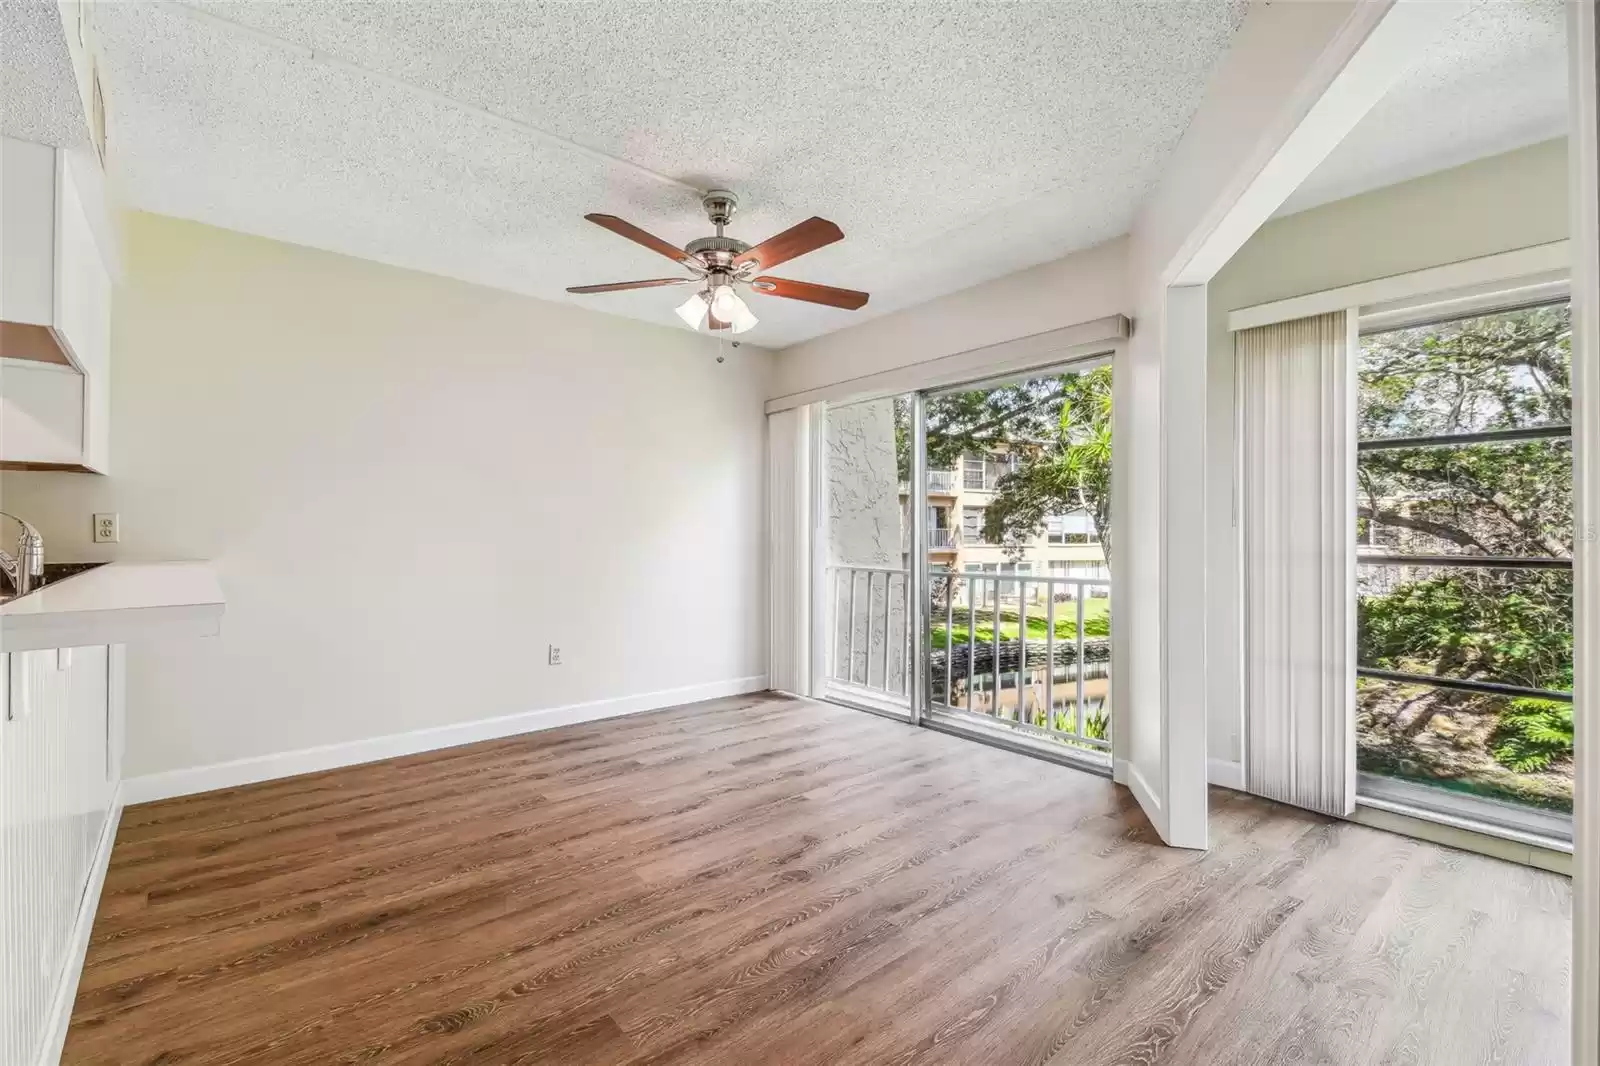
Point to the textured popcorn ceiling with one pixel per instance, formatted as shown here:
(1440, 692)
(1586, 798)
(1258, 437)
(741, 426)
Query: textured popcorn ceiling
(38, 95)
(1496, 81)
(953, 141)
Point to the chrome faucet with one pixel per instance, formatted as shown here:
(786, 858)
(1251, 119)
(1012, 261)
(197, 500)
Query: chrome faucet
(27, 566)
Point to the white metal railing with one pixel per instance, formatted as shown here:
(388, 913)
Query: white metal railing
(937, 538)
(956, 670)
(940, 482)
(869, 630)
(1061, 684)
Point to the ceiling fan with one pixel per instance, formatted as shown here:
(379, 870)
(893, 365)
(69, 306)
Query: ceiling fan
(722, 264)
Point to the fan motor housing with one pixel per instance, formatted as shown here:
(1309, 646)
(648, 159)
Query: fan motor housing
(716, 252)
(720, 204)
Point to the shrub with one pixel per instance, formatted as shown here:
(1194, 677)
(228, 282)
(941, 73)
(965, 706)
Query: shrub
(1532, 734)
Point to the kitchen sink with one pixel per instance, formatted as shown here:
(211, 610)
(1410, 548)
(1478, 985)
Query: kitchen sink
(54, 573)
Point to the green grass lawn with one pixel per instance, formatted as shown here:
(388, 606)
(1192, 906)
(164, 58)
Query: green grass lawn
(1096, 623)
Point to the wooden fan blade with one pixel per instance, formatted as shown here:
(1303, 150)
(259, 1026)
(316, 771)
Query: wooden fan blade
(849, 299)
(618, 286)
(649, 240)
(795, 241)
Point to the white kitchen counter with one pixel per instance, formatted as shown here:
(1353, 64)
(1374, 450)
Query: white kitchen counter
(119, 603)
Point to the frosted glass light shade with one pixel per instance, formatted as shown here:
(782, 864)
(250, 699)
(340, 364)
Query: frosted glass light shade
(693, 311)
(725, 303)
(743, 318)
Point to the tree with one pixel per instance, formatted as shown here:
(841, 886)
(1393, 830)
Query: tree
(1058, 428)
(1501, 371)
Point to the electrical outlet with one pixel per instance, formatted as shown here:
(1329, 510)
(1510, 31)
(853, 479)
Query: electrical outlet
(555, 655)
(106, 529)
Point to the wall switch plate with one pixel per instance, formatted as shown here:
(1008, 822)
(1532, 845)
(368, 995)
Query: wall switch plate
(106, 529)
(555, 655)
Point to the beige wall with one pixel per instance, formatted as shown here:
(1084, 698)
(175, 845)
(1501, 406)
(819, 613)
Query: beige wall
(411, 486)
(1493, 205)
(1078, 288)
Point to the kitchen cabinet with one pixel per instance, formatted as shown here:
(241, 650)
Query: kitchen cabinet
(58, 777)
(55, 311)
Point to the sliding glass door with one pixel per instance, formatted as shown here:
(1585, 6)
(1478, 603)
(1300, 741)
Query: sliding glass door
(989, 507)
(1016, 617)
(864, 543)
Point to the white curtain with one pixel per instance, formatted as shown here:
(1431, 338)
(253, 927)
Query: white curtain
(789, 547)
(1297, 535)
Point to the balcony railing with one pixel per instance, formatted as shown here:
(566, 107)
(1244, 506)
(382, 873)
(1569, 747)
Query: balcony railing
(1052, 685)
(1060, 683)
(940, 483)
(938, 539)
(869, 647)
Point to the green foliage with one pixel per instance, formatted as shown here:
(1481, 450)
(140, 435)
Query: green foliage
(1499, 625)
(1059, 430)
(1532, 734)
(1057, 427)
(1097, 724)
(1069, 467)
(1499, 371)
(1490, 372)
(1492, 499)
(1096, 623)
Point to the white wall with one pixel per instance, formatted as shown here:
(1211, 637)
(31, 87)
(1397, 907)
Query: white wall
(411, 486)
(1080, 287)
(1493, 205)
(1269, 76)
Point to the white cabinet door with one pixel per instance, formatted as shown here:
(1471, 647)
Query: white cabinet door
(41, 413)
(83, 304)
(27, 232)
(54, 799)
(54, 276)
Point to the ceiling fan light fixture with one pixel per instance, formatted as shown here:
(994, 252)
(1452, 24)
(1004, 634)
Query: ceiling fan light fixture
(743, 318)
(725, 303)
(720, 263)
(693, 311)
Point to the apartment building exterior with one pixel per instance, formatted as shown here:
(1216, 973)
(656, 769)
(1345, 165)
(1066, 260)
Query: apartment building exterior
(1069, 545)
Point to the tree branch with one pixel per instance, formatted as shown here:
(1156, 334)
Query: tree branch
(1455, 536)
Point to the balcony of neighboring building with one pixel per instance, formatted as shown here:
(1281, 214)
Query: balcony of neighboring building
(943, 542)
(941, 483)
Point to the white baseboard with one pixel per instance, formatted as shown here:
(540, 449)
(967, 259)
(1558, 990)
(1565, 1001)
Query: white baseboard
(1226, 774)
(1148, 799)
(185, 782)
(67, 986)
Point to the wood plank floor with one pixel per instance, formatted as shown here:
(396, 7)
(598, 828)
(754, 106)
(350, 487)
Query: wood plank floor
(765, 881)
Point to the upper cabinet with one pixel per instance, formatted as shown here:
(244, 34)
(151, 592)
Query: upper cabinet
(55, 312)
